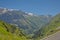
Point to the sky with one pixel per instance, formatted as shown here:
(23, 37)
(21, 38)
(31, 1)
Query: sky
(40, 7)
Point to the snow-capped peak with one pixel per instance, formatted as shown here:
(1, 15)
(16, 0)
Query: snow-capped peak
(31, 14)
(13, 9)
(10, 9)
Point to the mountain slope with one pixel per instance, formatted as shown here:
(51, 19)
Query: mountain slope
(51, 28)
(25, 21)
(10, 32)
(53, 25)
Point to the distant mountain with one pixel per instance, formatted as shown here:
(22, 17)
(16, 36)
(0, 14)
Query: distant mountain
(28, 22)
(10, 32)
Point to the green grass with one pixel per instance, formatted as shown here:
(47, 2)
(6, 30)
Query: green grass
(5, 35)
(51, 28)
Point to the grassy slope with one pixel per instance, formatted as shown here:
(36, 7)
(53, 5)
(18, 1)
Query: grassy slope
(8, 35)
(53, 27)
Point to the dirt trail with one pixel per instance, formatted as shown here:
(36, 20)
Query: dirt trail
(55, 36)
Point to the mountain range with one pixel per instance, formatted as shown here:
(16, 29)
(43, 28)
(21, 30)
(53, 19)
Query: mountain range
(28, 25)
(26, 21)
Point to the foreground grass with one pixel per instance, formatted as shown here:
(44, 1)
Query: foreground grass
(5, 35)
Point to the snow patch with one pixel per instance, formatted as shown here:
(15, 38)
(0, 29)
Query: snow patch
(5, 10)
(13, 9)
(31, 14)
(10, 9)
